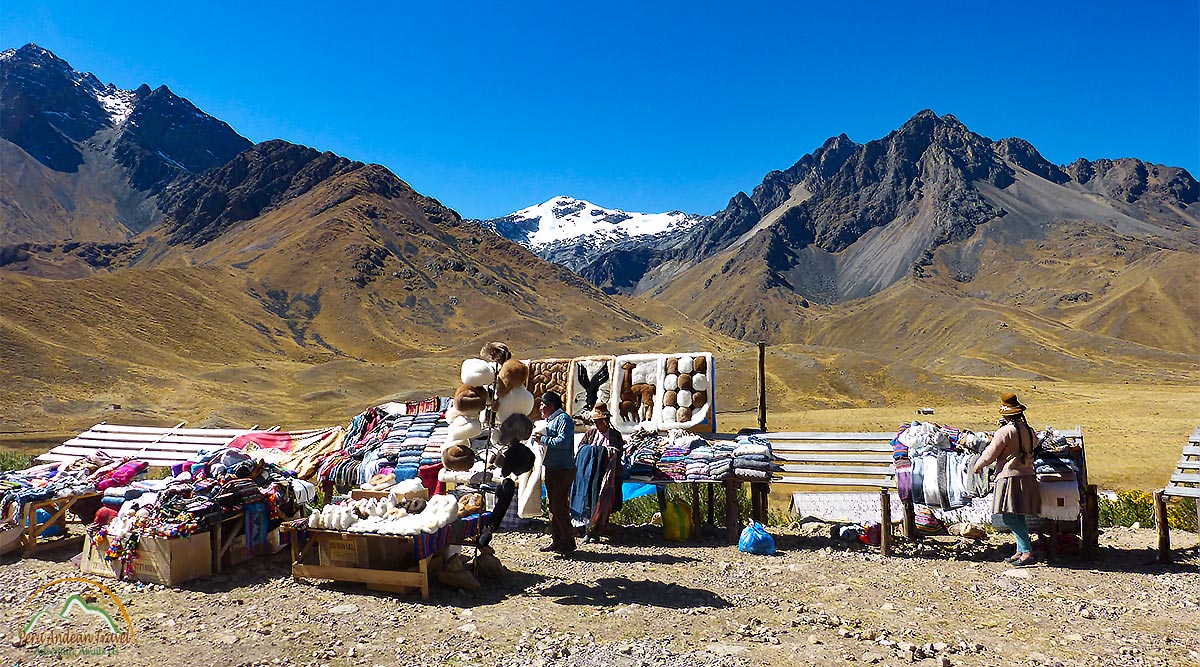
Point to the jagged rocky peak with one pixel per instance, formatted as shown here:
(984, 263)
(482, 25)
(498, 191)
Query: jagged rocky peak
(49, 109)
(254, 181)
(1130, 179)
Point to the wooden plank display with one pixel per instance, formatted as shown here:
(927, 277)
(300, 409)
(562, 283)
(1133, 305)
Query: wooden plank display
(1184, 483)
(156, 446)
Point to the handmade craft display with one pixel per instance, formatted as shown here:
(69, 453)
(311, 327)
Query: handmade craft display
(591, 383)
(547, 375)
(685, 393)
(634, 392)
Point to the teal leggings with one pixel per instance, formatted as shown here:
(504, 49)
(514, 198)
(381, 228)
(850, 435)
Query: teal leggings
(1016, 523)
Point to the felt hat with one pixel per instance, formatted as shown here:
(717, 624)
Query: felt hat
(458, 457)
(600, 412)
(469, 400)
(1009, 405)
(512, 374)
(495, 352)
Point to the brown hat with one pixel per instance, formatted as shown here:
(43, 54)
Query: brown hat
(1009, 405)
(458, 457)
(600, 412)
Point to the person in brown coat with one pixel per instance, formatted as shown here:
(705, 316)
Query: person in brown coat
(1017, 494)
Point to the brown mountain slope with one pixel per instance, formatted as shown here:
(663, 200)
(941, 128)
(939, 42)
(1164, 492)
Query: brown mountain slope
(362, 265)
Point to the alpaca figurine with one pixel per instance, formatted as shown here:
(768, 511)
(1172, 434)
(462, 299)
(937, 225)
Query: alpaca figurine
(633, 394)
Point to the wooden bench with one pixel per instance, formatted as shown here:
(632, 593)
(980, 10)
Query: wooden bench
(155, 445)
(841, 460)
(1184, 483)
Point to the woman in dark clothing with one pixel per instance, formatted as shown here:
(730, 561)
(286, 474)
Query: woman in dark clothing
(604, 487)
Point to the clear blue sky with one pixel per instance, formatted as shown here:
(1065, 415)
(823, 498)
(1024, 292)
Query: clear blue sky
(646, 106)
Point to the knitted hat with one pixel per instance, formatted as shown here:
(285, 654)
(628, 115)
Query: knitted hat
(600, 412)
(1009, 405)
(458, 457)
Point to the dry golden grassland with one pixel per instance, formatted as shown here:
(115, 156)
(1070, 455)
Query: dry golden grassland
(1134, 434)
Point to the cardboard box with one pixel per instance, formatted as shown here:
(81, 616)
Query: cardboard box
(93, 563)
(343, 551)
(170, 562)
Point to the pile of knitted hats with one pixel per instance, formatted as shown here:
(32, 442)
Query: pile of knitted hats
(493, 382)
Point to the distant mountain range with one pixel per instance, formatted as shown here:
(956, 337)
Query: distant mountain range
(573, 232)
(145, 244)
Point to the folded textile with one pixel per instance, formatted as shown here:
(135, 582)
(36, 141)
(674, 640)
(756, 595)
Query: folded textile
(741, 463)
(751, 474)
(748, 448)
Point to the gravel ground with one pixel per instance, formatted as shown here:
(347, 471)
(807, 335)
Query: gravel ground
(641, 602)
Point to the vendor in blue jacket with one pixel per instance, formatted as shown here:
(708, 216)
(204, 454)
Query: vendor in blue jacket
(559, 440)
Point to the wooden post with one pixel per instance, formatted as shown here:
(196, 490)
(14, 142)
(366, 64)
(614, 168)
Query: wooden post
(885, 530)
(910, 520)
(762, 386)
(711, 509)
(1164, 530)
(695, 510)
(733, 527)
(1090, 547)
(662, 500)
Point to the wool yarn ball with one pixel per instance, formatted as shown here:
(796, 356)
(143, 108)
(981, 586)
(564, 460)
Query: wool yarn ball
(700, 364)
(685, 364)
(685, 381)
(669, 398)
(699, 382)
(668, 414)
(477, 372)
(671, 382)
(684, 397)
(672, 366)
(684, 415)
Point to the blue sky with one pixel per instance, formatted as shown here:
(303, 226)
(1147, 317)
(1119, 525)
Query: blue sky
(646, 106)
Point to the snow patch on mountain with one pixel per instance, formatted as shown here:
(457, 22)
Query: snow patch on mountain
(564, 219)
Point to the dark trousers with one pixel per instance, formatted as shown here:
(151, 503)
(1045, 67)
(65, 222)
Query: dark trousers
(558, 493)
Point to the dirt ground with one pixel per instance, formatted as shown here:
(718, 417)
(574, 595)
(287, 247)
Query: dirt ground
(640, 601)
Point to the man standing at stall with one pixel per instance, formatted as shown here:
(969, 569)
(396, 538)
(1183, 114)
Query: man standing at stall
(559, 440)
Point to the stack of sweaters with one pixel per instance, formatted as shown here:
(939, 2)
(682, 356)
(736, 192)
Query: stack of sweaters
(753, 459)
(721, 464)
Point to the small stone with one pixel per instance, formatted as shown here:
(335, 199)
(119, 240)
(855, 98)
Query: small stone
(1016, 574)
(1075, 637)
(228, 640)
(344, 609)
(1136, 525)
(888, 606)
(813, 639)
(946, 662)
(871, 658)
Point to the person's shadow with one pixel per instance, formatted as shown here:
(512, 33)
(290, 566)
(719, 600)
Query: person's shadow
(612, 591)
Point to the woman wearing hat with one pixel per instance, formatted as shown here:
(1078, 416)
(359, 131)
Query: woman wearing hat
(606, 478)
(1017, 494)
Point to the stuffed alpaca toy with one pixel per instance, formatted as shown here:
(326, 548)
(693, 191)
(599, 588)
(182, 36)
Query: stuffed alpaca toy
(496, 353)
(512, 374)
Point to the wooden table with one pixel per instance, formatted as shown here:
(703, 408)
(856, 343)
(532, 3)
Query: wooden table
(34, 542)
(391, 580)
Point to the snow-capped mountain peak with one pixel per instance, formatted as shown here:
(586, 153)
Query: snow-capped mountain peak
(566, 218)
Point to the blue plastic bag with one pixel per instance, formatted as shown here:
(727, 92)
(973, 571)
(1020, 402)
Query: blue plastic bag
(756, 540)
